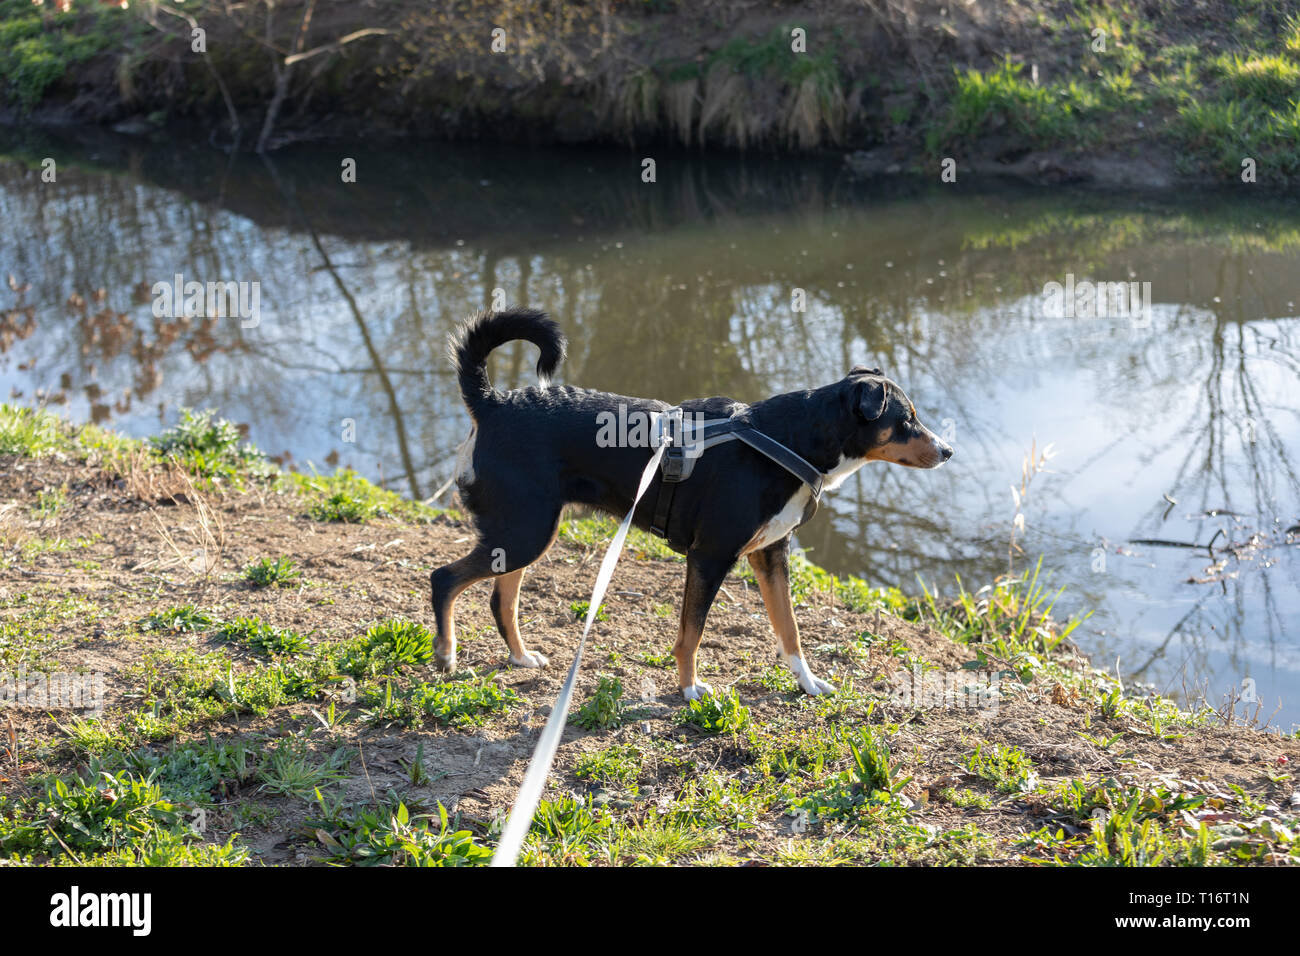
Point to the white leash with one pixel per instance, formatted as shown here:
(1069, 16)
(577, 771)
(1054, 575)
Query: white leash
(530, 791)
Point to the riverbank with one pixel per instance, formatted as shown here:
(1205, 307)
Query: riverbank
(242, 651)
(1102, 91)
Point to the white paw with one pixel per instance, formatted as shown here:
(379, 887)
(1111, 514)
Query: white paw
(696, 691)
(810, 684)
(816, 686)
(530, 659)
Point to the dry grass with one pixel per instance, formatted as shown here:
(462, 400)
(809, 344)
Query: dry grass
(144, 478)
(197, 544)
(1034, 463)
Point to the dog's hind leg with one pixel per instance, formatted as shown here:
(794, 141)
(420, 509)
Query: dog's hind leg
(505, 610)
(704, 576)
(522, 540)
(772, 571)
(447, 583)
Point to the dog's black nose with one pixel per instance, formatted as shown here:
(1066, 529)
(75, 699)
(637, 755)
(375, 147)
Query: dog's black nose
(947, 452)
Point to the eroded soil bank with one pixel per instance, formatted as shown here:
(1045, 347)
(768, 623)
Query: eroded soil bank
(1058, 90)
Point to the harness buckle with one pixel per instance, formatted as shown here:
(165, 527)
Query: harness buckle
(672, 432)
(673, 465)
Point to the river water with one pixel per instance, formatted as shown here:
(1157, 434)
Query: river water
(1175, 423)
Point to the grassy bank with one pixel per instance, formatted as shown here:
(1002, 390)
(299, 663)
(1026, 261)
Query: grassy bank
(1065, 89)
(261, 645)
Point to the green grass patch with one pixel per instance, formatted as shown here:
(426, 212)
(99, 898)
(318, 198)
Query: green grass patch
(656, 659)
(254, 633)
(777, 677)
(863, 792)
(39, 45)
(596, 531)
(290, 769)
(186, 619)
(605, 709)
(807, 581)
(37, 432)
(716, 713)
(265, 573)
(87, 815)
(579, 610)
(618, 765)
(1008, 768)
(387, 648)
(391, 835)
(347, 497)
(1270, 79)
(966, 799)
(566, 832)
(50, 503)
(458, 703)
(803, 754)
(1129, 826)
(180, 689)
(984, 101)
(24, 431)
(1012, 617)
(211, 448)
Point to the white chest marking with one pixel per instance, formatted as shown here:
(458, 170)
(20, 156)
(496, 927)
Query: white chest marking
(789, 517)
(837, 475)
(785, 521)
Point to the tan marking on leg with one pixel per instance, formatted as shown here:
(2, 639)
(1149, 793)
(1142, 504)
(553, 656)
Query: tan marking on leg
(774, 585)
(445, 650)
(465, 572)
(703, 578)
(684, 649)
(507, 593)
(505, 610)
(772, 571)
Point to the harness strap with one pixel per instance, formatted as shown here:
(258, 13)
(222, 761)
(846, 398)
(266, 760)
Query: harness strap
(673, 468)
(679, 461)
(792, 462)
(663, 506)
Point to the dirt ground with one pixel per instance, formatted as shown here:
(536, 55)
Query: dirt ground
(121, 560)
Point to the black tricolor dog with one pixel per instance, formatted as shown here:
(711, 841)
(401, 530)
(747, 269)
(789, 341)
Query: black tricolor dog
(533, 450)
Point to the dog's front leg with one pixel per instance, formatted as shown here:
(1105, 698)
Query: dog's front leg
(704, 576)
(772, 571)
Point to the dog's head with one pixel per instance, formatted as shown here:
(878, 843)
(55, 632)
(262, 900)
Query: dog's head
(882, 423)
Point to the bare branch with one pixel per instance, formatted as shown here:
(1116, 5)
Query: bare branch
(330, 47)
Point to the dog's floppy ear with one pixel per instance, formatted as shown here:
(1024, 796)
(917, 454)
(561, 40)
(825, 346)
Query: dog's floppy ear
(863, 370)
(869, 399)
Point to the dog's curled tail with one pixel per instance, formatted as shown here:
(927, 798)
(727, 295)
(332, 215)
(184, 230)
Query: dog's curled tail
(472, 341)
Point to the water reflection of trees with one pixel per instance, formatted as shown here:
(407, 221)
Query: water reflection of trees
(1237, 475)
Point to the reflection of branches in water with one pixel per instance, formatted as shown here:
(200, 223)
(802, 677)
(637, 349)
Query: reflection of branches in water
(1232, 404)
(1196, 648)
(887, 544)
(385, 383)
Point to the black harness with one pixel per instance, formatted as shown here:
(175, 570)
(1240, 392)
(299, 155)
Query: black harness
(679, 460)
